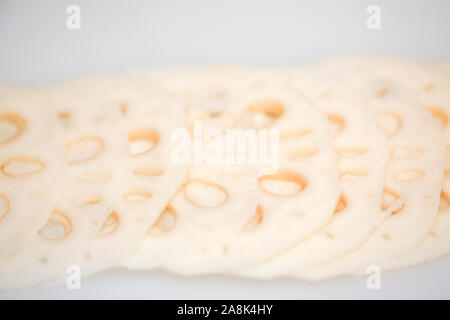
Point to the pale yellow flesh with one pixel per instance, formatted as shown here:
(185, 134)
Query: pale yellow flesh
(416, 178)
(33, 167)
(199, 247)
(363, 152)
(98, 162)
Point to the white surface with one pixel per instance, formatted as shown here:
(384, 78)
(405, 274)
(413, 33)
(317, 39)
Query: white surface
(37, 47)
(426, 282)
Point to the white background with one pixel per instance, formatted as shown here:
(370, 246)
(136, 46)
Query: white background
(37, 47)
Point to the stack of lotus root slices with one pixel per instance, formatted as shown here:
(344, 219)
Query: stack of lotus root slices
(306, 172)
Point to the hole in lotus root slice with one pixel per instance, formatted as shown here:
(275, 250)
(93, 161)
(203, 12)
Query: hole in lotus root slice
(94, 176)
(123, 108)
(87, 199)
(111, 224)
(447, 174)
(382, 92)
(205, 194)
(386, 237)
(341, 204)
(337, 123)
(266, 112)
(255, 220)
(389, 198)
(22, 166)
(221, 93)
(137, 195)
(165, 222)
(150, 172)
(64, 116)
(409, 175)
(326, 94)
(352, 173)
(84, 149)
(283, 183)
(440, 116)
(58, 226)
(11, 126)
(406, 152)
(303, 153)
(444, 202)
(433, 234)
(4, 206)
(142, 141)
(216, 120)
(429, 87)
(389, 121)
(350, 151)
(294, 133)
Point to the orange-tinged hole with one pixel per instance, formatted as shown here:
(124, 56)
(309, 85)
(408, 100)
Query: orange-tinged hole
(326, 94)
(137, 195)
(215, 120)
(382, 92)
(64, 116)
(205, 194)
(84, 149)
(87, 199)
(58, 226)
(267, 112)
(409, 175)
(406, 152)
(111, 224)
(337, 123)
(123, 108)
(142, 141)
(303, 153)
(151, 172)
(440, 116)
(389, 121)
(447, 174)
(350, 151)
(283, 183)
(221, 93)
(165, 222)
(11, 126)
(429, 87)
(294, 133)
(444, 203)
(22, 166)
(4, 206)
(255, 220)
(341, 204)
(352, 173)
(388, 199)
(271, 108)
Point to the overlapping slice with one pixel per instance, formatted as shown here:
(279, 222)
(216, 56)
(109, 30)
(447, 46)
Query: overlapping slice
(215, 199)
(98, 157)
(414, 172)
(33, 166)
(363, 153)
(213, 203)
(265, 214)
(434, 94)
(151, 116)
